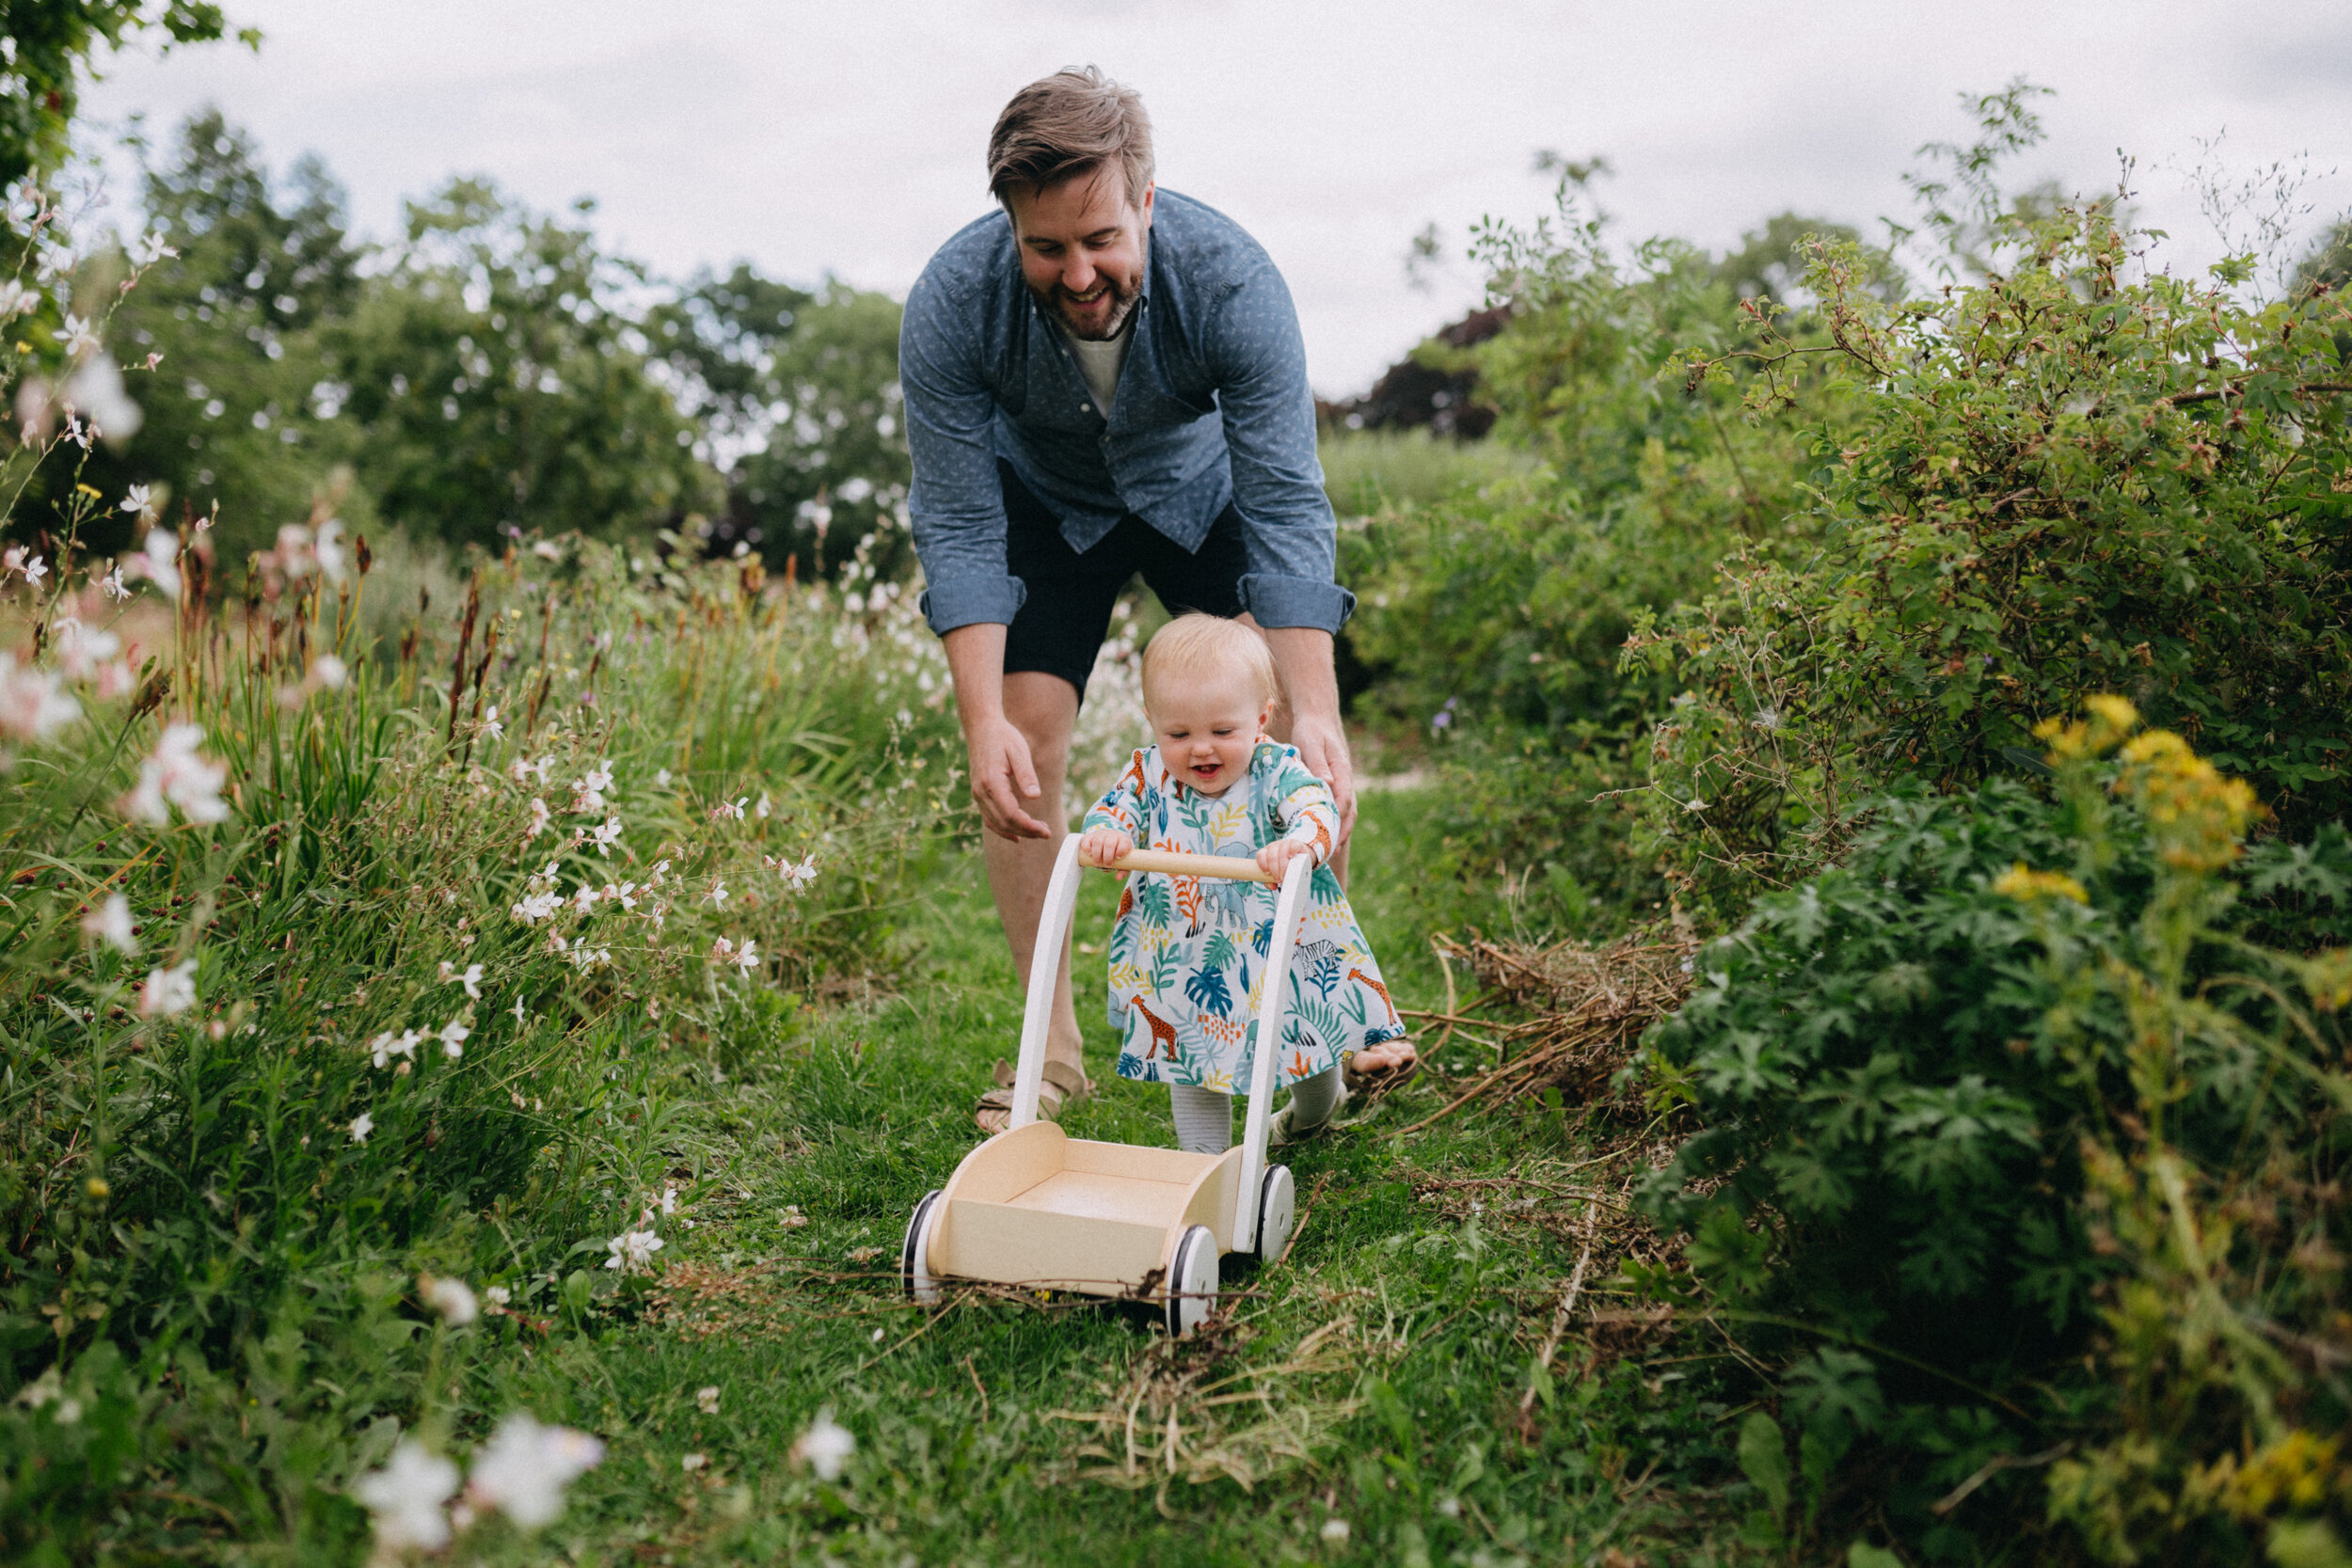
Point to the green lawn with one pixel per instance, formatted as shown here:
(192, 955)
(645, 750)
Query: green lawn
(1374, 1381)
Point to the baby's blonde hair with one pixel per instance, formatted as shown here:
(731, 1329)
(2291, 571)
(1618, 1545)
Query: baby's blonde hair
(1195, 646)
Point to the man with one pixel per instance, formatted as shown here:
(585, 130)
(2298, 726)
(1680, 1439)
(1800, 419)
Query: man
(1104, 379)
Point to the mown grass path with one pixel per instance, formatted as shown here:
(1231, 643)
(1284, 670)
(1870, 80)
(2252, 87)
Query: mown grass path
(1369, 1391)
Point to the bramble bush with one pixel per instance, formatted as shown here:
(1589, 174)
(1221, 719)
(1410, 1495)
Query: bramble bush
(2013, 1145)
(2075, 473)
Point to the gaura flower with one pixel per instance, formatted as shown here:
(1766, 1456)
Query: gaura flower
(448, 1297)
(524, 1467)
(169, 991)
(110, 922)
(632, 1250)
(177, 775)
(406, 1498)
(361, 1125)
(453, 1036)
(825, 1447)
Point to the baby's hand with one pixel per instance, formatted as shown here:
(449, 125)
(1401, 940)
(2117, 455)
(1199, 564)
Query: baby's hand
(1275, 856)
(1102, 846)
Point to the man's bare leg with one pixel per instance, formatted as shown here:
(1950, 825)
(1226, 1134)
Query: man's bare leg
(1045, 708)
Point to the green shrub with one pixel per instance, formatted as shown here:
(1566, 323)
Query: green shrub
(2076, 474)
(1937, 1085)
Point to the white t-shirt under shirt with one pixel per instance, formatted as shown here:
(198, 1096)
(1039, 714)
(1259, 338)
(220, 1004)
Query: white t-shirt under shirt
(1099, 362)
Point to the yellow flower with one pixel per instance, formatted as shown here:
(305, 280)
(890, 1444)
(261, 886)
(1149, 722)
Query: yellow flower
(2112, 719)
(2025, 885)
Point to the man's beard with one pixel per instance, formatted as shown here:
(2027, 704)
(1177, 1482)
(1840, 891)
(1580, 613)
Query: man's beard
(1056, 300)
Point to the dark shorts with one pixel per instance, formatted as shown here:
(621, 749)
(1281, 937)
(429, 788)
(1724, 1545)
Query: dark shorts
(1059, 627)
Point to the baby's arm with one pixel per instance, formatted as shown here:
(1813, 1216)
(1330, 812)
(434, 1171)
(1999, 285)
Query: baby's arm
(1113, 822)
(1310, 817)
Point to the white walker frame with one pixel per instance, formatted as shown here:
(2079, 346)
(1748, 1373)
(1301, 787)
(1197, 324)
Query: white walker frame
(1033, 1207)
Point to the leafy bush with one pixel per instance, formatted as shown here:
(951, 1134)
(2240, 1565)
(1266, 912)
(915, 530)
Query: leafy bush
(1962, 1099)
(2076, 473)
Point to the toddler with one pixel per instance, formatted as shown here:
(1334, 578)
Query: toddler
(1187, 953)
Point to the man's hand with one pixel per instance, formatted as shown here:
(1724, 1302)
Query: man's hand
(1003, 773)
(1322, 747)
(1002, 778)
(1310, 689)
(1102, 846)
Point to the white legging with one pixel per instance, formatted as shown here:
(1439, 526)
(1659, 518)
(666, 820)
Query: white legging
(1205, 1118)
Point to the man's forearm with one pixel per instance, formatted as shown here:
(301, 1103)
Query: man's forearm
(976, 663)
(1310, 685)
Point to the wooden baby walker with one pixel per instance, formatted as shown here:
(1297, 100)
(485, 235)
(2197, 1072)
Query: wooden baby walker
(1033, 1207)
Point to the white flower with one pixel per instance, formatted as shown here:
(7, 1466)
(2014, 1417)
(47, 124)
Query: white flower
(718, 894)
(825, 1447)
(328, 547)
(747, 957)
(661, 779)
(606, 836)
(328, 674)
(632, 1250)
(519, 1010)
(546, 551)
(84, 650)
(661, 869)
(453, 1038)
(525, 1466)
(797, 876)
(471, 980)
(625, 894)
(15, 299)
(176, 775)
(693, 1462)
(384, 1047)
(76, 336)
(150, 248)
(540, 814)
(707, 1400)
(361, 1125)
(584, 898)
(497, 1296)
(763, 809)
(722, 951)
(110, 922)
(141, 501)
(729, 810)
(96, 389)
(537, 907)
(31, 703)
(491, 728)
(159, 562)
(449, 1298)
(169, 991)
(1335, 1530)
(405, 1496)
(589, 792)
(1694, 803)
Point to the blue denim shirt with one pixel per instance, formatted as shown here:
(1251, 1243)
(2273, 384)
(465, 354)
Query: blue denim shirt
(1213, 407)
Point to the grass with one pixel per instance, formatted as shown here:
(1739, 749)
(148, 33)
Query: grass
(1379, 1374)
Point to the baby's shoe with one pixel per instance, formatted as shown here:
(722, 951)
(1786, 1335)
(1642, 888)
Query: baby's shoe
(1278, 1127)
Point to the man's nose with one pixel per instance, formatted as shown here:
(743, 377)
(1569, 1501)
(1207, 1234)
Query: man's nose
(1078, 274)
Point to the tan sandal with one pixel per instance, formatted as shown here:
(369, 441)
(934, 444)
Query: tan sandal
(1060, 1086)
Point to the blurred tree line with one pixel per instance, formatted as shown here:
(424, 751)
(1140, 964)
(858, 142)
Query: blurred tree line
(491, 374)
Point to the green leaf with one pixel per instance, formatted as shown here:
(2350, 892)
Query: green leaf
(1764, 1460)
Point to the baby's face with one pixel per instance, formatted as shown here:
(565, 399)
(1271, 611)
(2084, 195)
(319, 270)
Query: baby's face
(1207, 730)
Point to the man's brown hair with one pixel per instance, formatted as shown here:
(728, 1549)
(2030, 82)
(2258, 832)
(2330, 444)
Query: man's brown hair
(1070, 123)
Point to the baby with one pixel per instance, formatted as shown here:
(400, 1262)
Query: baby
(1187, 953)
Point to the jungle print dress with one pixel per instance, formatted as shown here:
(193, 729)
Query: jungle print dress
(1187, 953)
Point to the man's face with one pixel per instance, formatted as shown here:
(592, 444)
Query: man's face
(1081, 248)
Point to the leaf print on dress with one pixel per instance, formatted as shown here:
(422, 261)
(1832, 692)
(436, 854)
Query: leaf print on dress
(1207, 992)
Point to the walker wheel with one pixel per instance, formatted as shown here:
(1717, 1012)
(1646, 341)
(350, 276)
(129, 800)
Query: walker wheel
(1191, 1282)
(915, 1263)
(1277, 1212)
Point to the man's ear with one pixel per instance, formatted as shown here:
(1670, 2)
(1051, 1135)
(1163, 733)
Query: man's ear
(1148, 192)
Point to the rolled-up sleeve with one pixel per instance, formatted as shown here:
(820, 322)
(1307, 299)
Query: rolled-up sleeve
(1288, 530)
(956, 504)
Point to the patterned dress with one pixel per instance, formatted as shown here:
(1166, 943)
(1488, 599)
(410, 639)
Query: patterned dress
(1187, 955)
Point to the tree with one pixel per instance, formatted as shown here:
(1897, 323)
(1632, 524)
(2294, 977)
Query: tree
(799, 395)
(240, 409)
(502, 383)
(48, 46)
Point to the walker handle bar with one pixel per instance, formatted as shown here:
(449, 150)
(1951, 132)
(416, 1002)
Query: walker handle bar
(1175, 864)
(1052, 952)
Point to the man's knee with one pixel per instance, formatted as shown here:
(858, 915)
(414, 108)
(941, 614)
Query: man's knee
(1045, 708)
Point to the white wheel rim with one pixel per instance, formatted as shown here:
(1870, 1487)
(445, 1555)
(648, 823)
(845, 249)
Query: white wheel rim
(917, 1249)
(1278, 1211)
(1196, 1279)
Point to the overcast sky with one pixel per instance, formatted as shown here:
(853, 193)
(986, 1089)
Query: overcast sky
(849, 137)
